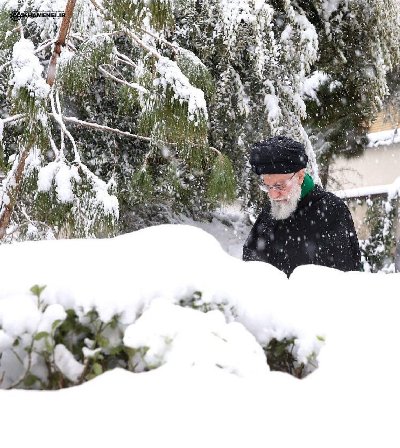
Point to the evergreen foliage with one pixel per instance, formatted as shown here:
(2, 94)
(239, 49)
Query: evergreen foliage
(80, 70)
(72, 346)
(222, 176)
(378, 249)
(359, 46)
(120, 68)
(257, 71)
(188, 87)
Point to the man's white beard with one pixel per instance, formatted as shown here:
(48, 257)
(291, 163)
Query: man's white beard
(283, 209)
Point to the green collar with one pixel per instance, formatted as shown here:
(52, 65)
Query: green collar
(307, 185)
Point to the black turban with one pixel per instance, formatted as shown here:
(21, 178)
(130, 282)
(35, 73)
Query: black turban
(278, 155)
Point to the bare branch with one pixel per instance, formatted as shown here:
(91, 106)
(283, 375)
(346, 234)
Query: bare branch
(13, 118)
(136, 38)
(117, 58)
(44, 45)
(124, 58)
(77, 36)
(58, 104)
(150, 50)
(216, 150)
(54, 146)
(121, 81)
(175, 47)
(97, 6)
(100, 127)
(57, 115)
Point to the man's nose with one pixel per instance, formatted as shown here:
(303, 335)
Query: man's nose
(274, 194)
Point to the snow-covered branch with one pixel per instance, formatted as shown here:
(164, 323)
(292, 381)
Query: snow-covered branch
(123, 58)
(38, 50)
(140, 42)
(175, 47)
(13, 118)
(133, 85)
(57, 115)
(100, 127)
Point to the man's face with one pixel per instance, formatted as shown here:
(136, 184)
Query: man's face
(284, 191)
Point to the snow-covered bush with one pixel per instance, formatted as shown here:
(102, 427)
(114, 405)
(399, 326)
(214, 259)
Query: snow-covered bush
(46, 346)
(142, 313)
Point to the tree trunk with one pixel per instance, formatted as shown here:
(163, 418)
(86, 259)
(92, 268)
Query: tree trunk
(12, 193)
(62, 35)
(13, 190)
(323, 168)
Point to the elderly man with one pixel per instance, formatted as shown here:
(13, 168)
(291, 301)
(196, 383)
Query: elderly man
(301, 223)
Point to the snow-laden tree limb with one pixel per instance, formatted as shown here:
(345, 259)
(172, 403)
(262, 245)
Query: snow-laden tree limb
(100, 127)
(133, 85)
(38, 50)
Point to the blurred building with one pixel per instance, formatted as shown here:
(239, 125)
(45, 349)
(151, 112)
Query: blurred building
(376, 173)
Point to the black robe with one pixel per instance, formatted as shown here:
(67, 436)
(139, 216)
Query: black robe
(320, 231)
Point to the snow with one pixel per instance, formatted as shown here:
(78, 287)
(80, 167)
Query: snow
(233, 14)
(62, 174)
(186, 337)
(329, 7)
(66, 362)
(312, 84)
(170, 74)
(272, 105)
(243, 101)
(46, 176)
(63, 181)
(380, 138)
(389, 189)
(211, 387)
(27, 70)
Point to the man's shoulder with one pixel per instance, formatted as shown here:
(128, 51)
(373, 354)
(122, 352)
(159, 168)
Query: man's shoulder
(325, 204)
(319, 196)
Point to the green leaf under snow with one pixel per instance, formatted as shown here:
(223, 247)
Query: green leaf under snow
(97, 369)
(41, 335)
(37, 290)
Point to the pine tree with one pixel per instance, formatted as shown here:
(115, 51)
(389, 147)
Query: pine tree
(258, 54)
(359, 45)
(378, 249)
(156, 103)
(117, 50)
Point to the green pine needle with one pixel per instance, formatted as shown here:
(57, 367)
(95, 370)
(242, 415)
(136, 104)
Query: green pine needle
(222, 183)
(197, 73)
(142, 185)
(78, 74)
(126, 12)
(161, 14)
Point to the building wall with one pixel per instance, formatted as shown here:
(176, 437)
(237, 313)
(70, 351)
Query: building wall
(373, 171)
(376, 166)
(385, 120)
(358, 211)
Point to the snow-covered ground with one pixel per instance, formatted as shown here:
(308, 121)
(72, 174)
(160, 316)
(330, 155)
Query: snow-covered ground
(383, 137)
(212, 387)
